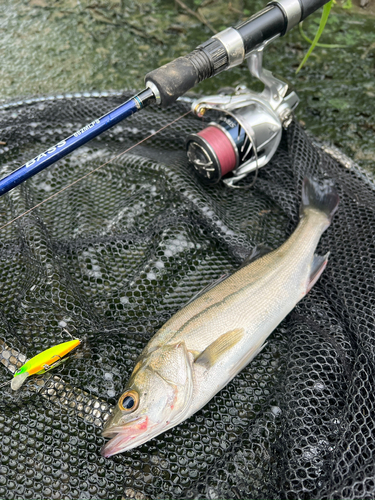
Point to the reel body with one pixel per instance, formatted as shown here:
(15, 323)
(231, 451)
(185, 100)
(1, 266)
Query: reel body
(247, 129)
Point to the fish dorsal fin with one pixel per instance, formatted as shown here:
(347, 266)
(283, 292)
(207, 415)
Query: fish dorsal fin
(317, 267)
(219, 347)
(208, 287)
(256, 253)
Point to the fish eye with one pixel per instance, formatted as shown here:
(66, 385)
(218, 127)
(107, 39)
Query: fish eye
(129, 401)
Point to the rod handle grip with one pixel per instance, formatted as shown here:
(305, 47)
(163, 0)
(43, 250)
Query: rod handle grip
(173, 79)
(177, 77)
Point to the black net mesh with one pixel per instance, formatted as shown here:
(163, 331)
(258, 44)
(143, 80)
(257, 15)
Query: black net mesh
(114, 256)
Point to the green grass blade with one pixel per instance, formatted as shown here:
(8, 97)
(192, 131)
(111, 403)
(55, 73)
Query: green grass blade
(323, 21)
(323, 45)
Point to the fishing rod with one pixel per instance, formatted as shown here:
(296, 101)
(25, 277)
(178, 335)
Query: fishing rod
(166, 84)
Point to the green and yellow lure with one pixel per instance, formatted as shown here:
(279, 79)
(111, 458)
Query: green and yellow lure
(43, 362)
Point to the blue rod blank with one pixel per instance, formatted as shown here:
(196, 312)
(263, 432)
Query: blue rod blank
(68, 145)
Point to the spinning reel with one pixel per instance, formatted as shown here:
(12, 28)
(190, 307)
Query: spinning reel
(247, 129)
(246, 135)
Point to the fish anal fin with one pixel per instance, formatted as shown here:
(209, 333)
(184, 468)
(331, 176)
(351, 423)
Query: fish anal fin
(317, 267)
(219, 347)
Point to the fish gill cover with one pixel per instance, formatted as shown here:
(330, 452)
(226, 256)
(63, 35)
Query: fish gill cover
(113, 257)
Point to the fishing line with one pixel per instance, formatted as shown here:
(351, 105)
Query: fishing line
(94, 170)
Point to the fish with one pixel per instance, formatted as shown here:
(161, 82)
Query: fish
(214, 336)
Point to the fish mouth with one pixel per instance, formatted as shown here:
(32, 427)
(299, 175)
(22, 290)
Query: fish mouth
(110, 433)
(125, 437)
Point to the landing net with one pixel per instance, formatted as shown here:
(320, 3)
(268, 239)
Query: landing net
(113, 257)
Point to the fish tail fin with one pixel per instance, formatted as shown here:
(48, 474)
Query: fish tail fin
(319, 196)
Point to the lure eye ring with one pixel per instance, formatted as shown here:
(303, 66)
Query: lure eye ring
(125, 401)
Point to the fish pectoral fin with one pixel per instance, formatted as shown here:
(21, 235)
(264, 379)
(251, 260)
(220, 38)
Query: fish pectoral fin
(219, 347)
(317, 267)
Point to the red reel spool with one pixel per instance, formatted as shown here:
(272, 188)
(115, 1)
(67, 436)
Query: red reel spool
(212, 152)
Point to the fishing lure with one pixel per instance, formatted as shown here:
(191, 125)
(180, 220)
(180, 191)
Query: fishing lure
(43, 362)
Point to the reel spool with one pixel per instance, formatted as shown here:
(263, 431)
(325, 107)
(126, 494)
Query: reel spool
(247, 130)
